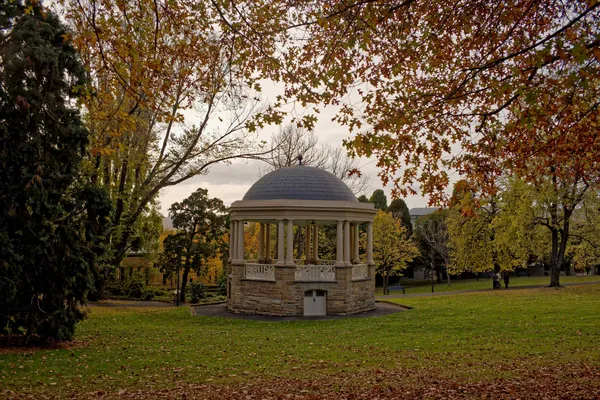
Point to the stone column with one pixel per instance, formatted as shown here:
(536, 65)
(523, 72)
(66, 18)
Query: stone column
(261, 243)
(231, 241)
(289, 257)
(280, 239)
(356, 244)
(268, 244)
(308, 246)
(316, 243)
(347, 243)
(339, 253)
(351, 243)
(240, 239)
(370, 244)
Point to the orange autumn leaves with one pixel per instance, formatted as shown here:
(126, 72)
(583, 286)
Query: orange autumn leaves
(428, 87)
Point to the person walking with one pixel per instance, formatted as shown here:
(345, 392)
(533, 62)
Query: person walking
(506, 279)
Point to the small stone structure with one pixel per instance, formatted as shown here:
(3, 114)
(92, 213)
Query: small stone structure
(305, 197)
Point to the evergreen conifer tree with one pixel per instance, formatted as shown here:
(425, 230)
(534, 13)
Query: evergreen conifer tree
(50, 222)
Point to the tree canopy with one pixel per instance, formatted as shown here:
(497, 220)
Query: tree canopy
(495, 233)
(200, 228)
(168, 99)
(51, 223)
(379, 200)
(431, 232)
(392, 250)
(515, 84)
(399, 210)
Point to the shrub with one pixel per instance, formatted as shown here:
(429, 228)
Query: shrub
(135, 286)
(222, 286)
(196, 291)
(131, 287)
(148, 296)
(114, 287)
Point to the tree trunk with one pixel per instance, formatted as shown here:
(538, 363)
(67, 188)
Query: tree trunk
(100, 284)
(448, 276)
(184, 279)
(186, 270)
(564, 237)
(554, 267)
(385, 283)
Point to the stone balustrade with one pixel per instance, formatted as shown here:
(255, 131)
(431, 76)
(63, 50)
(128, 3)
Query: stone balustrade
(315, 273)
(360, 271)
(259, 272)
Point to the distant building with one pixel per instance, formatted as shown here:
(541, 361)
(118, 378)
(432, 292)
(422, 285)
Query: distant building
(419, 212)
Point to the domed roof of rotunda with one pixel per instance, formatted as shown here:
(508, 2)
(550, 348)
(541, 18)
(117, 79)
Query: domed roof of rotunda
(300, 182)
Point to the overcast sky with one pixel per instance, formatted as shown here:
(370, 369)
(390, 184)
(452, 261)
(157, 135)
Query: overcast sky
(230, 182)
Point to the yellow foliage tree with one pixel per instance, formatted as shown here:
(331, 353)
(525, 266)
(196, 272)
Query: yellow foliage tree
(153, 64)
(495, 233)
(392, 250)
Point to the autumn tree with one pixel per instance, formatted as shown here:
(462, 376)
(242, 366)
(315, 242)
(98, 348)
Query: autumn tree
(431, 231)
(200, 224)
(291, 141)
(470, 238)
(515, 84)
(379, 200)
(490, 77)
(52, 224)
(556, 199)
(494, 233)
(391, 248)
(168, 100)
(584, 245)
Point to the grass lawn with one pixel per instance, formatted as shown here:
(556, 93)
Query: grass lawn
(486, 283)
(529, 343)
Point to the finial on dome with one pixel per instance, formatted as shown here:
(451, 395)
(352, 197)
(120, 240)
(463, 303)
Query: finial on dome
(299, 159)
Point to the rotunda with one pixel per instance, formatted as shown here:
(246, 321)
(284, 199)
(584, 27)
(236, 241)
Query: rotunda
(307, 198)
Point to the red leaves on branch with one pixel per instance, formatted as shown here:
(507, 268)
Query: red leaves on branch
(483, 88)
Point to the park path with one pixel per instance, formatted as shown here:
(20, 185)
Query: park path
(402, 296)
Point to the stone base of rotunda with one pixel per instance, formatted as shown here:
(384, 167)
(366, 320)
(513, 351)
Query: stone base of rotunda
(285, 296)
